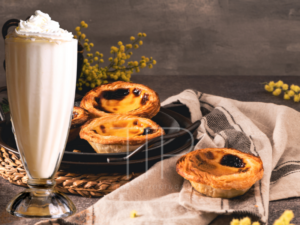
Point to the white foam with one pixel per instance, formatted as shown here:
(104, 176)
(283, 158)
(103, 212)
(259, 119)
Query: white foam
(40, 25)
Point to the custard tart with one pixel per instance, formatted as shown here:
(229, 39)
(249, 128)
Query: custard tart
(220, 172)
(79, 117)
(122, 98)
(113, 134)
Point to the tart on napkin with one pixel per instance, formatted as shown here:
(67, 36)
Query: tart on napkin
(220, 172)
(117, 133)
(122, 98)
(79, 117)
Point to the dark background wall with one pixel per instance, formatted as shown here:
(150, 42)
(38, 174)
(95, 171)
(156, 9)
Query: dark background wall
(186, 37)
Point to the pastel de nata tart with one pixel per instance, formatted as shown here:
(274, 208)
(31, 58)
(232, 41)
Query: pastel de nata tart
(220, 172)
(113, 134)
(79, 117)
(122, 98)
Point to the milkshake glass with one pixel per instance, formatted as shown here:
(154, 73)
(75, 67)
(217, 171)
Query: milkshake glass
(41, 62)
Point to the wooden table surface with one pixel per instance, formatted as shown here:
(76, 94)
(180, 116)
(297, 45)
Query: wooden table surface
(243, 88)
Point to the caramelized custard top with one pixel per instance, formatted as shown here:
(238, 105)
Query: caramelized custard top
(122, 100)
(124, 128)
(218, 164)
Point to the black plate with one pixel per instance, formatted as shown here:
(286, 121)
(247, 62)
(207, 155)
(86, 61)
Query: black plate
(87, 154)
(140, 164)
(74, 163)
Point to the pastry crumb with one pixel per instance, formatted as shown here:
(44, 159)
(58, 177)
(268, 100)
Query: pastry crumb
(76, 150)
(256, 206)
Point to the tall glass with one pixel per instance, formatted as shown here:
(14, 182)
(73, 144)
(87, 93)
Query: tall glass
(41, 81)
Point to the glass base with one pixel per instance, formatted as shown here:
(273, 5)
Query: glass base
(41, 203)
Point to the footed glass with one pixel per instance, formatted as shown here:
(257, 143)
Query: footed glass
(41, 81)
(41, 201)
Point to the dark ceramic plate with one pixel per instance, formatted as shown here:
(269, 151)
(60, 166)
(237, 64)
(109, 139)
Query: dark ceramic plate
(89, 163)
(87, 154)
(145, 159)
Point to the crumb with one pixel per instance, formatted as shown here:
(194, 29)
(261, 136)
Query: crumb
(256, 206)
(76, 150)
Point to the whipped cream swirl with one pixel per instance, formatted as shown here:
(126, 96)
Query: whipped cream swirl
(40, 25)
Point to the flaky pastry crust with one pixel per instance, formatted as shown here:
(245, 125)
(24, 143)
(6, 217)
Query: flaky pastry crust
(204, 166)
(217, 192)
(104, 130)
(146, 101)
(79, 117)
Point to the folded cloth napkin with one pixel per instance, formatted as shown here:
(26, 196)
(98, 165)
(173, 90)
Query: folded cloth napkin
(160, 196)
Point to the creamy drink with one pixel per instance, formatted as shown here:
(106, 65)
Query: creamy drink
(41, 63)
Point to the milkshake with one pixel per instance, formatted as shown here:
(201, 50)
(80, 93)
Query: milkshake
(41, 63)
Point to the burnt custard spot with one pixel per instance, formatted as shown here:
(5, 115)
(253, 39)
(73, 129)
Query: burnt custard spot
(145, 98)
(243, 170)
(98, 105)
(199, 160)
(148, 130)
(209, 155)
(135, 122)
(118, 94)
(136, 92)
(102, 127)
(202, 164)
(232, 161)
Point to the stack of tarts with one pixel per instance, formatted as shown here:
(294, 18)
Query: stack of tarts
(120, 117)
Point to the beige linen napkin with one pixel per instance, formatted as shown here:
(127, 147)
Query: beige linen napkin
(160, 196)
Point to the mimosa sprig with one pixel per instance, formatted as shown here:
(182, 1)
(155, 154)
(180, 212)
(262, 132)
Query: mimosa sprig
(288, 92)
(119, 68)
(284, 219)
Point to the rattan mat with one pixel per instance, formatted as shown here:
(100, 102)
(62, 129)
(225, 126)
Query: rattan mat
(86, 185)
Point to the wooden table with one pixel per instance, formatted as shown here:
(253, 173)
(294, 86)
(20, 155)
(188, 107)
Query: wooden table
(243, 88)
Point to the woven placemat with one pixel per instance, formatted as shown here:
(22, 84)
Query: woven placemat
(86, 185)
